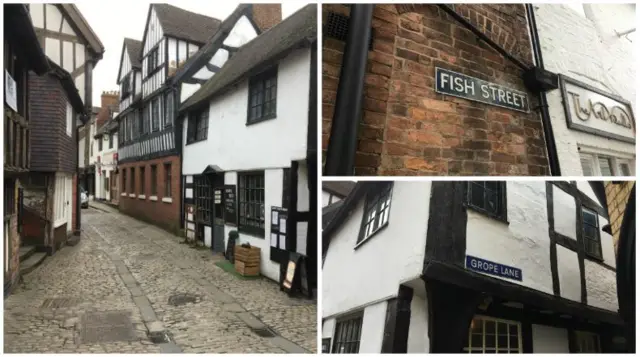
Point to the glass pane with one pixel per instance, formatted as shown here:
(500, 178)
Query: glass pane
(589, 217)
(502, 341)
(490, 340)
(476, 340)
(477, 195)
(605, 167)
(490, 327)
(513, 341)
(502, 328)
(492, 202)
(513, 329)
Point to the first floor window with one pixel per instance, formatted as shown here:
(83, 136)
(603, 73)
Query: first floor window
(251, 202)
(167, 179)
(376, 210)
(587, 342)
(346, 337)
(591, 233)
(155, 114)
(142, 181)
(198, 125)
(263, 90)
(489, 335)
(604, 165)
(154, 180)
(488, 197)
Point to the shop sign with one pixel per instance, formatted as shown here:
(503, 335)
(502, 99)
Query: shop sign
(488, 267)
(476, 89)
(593, 111)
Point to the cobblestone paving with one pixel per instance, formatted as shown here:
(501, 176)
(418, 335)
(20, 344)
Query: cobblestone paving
(88, 277)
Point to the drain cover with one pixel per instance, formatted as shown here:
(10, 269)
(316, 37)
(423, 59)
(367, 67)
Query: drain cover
(108, 326)
(56, 303)
(263, 331)
(182, 299)
(159, 337)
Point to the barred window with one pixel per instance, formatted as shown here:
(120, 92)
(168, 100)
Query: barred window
(251, 203)
(346, 338)
(203, 198)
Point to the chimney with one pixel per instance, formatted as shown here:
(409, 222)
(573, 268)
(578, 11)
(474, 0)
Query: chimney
(108, 101)
(266, 15)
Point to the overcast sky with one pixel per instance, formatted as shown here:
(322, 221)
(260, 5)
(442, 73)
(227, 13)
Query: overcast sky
(113, 21)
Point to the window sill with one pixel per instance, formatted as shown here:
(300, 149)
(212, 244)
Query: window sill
(132, 195)
(487, 214)
(167, 199)
(124, 194)
(256, 121)
(362, 242)
(142, 197)
(153, 198)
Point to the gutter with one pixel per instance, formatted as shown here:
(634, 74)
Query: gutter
(343, 140)
(550, 141)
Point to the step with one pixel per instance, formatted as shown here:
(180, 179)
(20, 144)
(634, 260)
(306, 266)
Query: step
(33, 262)
(26, 252)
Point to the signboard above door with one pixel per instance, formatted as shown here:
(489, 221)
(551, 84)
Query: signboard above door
(594, 111)
(471, 88)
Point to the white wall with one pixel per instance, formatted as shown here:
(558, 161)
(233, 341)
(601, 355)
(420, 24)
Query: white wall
(355, 277)
(524, 242)
(547, 339)
(587, 49)
(325, 198)
(418, 341)
(243, 147)
(373, 328)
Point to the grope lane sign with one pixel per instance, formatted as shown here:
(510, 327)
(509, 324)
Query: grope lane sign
(487, 267)
(471, 88)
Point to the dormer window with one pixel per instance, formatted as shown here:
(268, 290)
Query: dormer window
(263, 90)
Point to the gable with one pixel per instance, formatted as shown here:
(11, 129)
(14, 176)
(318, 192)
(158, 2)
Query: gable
(153, 31)
(125, 63)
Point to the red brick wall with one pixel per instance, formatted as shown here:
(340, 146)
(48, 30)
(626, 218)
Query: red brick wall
(163, 214)
(266, 15)
(407, 128)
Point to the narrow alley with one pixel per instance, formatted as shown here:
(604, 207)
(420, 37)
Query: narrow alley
(130, 287)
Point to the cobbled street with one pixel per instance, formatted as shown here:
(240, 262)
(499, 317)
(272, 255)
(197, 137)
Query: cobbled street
(130, 287)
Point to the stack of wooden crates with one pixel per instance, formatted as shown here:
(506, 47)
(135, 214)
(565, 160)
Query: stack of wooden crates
(247, 260)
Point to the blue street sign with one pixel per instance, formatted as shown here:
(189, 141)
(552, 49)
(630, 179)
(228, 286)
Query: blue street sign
(487, 267)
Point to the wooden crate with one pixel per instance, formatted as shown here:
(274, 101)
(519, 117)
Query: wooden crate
(247, 260)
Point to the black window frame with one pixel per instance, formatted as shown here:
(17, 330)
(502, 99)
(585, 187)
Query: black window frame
(153, 59)
(167, 179)
(257, 95)
(596, 240)
(124, 181)
(126, 86)
(155, 114)
(203, 190)
(168, 109)
(500, 192)
(132, 183)
(142, 173)
(348, 330)
(377, 200)
(256, 200)
(154, 180)
(198, 125)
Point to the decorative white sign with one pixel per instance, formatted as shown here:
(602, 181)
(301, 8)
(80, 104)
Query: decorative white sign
(596, 112)
(10, 91)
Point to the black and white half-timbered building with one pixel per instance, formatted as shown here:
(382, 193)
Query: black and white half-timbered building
(149, 148)
(484, 267)
(249, 137)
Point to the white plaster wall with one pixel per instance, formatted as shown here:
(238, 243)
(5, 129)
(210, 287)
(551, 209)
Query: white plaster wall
(236, 147)
(79, 54)
(601, 286)
(524, 242)
(355, 277)
(37, 14)
(125, 66)
(606, 240)
(418, 341)
(563, 205)
(327, 328)
(54, 17)
(52, 49)
(272, 197)
(587, 50)
(373, 328)
(325, 198)
(569, 274)
(547, 339)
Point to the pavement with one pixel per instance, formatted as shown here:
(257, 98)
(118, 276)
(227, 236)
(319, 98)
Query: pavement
(131, 287)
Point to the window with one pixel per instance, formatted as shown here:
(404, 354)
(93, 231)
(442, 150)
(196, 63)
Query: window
(489, 335)
(120, 131)
(168, 109)
(126, 86)
(346, 337)
(154, 180)
(142, 181)
(100, 143)
(203, 198)
(105, 181)
(198, 126)
(167, 179)
(376, 210)
(111, 140)
(603, 165)
(155, 114)
(251, 203)
(134, 125)
(591, 233)
(69, 118)
(124, 180)
(488, 197)
(262, 96)
(152, 61)
(133, 180)
(587, 342)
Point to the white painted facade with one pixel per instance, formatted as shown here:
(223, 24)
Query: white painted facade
(581, 42)
(235, 147)
(354, 280)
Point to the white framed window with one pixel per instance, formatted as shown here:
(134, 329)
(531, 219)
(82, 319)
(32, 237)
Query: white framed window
(376, 210)
(605, 165)
(491, 335)
(69, 118)
(587, 342)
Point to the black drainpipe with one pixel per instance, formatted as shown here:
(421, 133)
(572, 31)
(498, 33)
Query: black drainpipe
(550, 140)
(343, 141)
